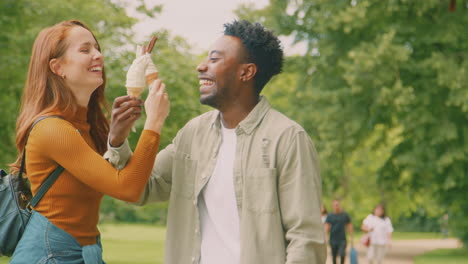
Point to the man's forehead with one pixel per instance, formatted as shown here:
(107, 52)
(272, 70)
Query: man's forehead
(224, 44)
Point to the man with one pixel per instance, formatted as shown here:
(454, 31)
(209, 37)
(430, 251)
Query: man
(335, 225)
(243, 180)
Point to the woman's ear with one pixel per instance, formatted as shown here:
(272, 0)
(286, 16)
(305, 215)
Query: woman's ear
(55, 66)
(248, 72)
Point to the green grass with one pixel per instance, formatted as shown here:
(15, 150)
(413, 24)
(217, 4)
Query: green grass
(445, 256)
(130, 243)
(415, 235)
(406, 235)
(144, 244)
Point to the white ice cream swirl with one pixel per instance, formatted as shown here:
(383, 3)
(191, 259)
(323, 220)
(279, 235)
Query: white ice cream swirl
(136, 73)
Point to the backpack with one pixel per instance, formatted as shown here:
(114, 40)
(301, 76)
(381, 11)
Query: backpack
(16, 202)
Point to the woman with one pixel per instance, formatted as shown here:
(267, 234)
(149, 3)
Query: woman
(324, 213)
(380, 229)
(66, 78)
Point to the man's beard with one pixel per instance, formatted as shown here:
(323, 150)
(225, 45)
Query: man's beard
(217, 98)
(214, 100)
(209, 100)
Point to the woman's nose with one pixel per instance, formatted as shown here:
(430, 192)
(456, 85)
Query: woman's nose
(97, 55)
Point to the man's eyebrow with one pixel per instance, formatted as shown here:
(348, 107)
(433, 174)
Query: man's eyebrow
(215, 51)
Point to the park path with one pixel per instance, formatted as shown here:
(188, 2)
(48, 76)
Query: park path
(404, 251)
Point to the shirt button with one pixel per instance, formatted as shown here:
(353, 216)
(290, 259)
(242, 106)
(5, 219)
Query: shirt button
(194, 202)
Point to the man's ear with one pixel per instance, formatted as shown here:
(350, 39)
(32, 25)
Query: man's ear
(55, 66)
(248, 72)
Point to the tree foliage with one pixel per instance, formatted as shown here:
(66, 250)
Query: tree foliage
(383, 90)
(22, 20)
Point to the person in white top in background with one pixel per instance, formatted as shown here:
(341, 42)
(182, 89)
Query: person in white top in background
(380, 229)
(324, 212)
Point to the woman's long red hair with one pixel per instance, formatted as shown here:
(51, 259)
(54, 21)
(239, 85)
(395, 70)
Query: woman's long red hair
(46, 92)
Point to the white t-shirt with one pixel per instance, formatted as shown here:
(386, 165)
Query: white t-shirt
(381, 229)
(219, 218)
(324, 218)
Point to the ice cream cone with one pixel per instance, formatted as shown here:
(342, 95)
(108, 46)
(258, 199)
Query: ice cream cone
(150, 78)
(151, 73)
(135, 91)
(136, 74)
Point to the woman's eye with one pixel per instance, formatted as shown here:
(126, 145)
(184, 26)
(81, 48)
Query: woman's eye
(213, 59)
(85, 50)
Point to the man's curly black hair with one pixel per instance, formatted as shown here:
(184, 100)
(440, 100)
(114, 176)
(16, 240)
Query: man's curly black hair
(263, 49)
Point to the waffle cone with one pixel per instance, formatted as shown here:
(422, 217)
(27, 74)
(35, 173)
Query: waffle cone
(135, 91)
(150, 78)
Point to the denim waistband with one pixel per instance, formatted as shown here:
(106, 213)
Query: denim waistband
(44, 242)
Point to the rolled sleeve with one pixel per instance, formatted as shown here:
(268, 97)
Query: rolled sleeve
(118, 156)
(159, 185)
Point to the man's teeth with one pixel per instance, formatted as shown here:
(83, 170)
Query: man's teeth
(96, 69)
(206, 82)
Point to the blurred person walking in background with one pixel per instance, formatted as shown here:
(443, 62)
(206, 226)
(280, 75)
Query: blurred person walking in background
(336, 224)
(380, 229)
(444, 226)
(324, 213)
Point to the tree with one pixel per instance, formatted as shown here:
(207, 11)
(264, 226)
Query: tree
(395, 70)
(22, 20)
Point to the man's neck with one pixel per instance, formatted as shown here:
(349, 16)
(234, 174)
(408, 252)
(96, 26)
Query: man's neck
(231, 116)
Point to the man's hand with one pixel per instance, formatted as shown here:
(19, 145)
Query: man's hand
(125, 111)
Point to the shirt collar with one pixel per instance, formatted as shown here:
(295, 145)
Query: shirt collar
(253, 119)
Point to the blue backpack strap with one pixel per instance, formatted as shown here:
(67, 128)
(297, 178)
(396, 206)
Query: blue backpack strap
(49, 181)
(45, 186)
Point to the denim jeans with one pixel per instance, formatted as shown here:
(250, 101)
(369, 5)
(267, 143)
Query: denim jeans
(43, 242)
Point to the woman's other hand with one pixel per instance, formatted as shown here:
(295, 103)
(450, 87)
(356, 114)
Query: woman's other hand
(157, 106)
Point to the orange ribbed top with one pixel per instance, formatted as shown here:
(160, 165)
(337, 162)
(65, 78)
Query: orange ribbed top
(72, 203)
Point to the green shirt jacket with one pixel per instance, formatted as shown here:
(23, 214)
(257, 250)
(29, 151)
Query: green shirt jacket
(276, 180)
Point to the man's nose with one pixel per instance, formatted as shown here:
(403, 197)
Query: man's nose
(201, 67)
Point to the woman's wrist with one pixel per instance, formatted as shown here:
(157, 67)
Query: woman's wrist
(155, 126)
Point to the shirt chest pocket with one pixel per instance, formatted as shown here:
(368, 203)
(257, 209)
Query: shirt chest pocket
(184, 174)
(261, 194)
